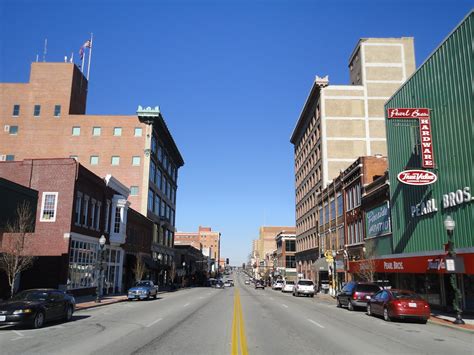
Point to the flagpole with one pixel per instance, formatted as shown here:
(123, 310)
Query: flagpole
(89, 63)
(82, 65)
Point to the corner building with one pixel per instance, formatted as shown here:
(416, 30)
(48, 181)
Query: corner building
(45, 118)
(415, 255)
(340, 123)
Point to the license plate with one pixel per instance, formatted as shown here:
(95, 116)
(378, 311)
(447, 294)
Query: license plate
(3, 318)
(412, 305)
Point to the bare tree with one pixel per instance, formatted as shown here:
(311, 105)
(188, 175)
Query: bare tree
(139, 269)
(368, 266)
(14, 259)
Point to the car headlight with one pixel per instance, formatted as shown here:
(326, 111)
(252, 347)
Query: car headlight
(23, 311)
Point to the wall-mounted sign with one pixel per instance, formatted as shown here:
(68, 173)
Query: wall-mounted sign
(423, 116)
(377, 221)
(417, 177)
(450, 200)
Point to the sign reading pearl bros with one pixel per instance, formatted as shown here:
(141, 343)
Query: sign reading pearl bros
(423, 116)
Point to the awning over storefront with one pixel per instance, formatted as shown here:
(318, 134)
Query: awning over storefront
(320, 265)
(415, 264)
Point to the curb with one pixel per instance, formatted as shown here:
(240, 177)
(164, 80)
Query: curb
(95, 305)
(443, 323)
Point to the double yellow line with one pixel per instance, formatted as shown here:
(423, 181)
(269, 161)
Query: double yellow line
(238, 328)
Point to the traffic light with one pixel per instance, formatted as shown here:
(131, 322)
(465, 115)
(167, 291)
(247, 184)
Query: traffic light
(227, 261)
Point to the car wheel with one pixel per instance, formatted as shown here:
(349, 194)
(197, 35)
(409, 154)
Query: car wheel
(386, 316)
(312, 295)
(369, 310)
(69, 313)
(38, 321)
(350, 306)
(423, 321)
(155, 296)
(339, 305)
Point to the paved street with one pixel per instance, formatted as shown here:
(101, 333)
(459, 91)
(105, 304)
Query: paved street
(210, 321)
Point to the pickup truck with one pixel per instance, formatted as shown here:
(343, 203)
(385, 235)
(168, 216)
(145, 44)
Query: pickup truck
(143, 290)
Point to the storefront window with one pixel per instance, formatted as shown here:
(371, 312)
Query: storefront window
(82, 258)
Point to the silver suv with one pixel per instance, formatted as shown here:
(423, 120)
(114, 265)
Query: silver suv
(304, 287)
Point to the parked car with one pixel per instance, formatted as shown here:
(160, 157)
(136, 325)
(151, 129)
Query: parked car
(219, 284)
(304, 287)
(277, 285)
(355, 294)
(259, 284)
(37, 306)
(143, 290)
(231, 282)
(288, 286)
(324, 288)
(227, 284)
(247, 282)
(400, 304)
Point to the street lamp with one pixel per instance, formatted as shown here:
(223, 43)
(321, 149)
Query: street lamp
(449, 225)
(102, 241)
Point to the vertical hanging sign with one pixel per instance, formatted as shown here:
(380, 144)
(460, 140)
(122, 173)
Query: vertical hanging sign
(423, 117)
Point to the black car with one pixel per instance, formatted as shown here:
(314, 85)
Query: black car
(355, 294)
(35, 307)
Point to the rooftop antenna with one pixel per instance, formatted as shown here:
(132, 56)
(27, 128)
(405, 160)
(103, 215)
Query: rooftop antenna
(45, 50)
(37, 57)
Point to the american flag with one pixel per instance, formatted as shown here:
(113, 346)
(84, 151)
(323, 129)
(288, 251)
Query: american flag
(87, 44)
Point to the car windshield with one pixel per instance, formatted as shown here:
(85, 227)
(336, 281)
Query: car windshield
(305, 283)
(290, 282)
(367, 288)
(31, 296)
(142, 284)
(406, 295)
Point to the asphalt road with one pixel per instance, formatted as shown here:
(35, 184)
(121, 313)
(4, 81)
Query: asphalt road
(230, 321)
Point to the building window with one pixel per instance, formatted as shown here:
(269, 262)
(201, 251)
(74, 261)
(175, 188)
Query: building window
(152, 171)
(333, 209)
(153, 145)
(158, 178)
(93, 211)
(96, 131)
(117, 220)
(57, 110)
(97, 220)
(134, 190)
(78, 208)
(76, 131)
(163, 209)
(135, 161)
(339, 205)
(75, 157)
(13, 130)
(150, 200)
(9, 157)
(117, 131)
(160, 154)
(82, 260)
(172, 217)
(37, 110)
(138, 131)
(115, 160)
(107, 214)
(326, 213)
(49, 206)
(157, 205)
(16, 110)
(86, 211)
(94, 160)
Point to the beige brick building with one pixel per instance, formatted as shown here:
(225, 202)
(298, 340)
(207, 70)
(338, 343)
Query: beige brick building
(205, 237)
(339, 123)
(45, 118)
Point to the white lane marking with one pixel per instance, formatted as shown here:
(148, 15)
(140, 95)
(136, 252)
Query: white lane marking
(17, 333)
(154, 322)
(271, 298)
(284, 305)
(22, 337)
(187, 304)
(315, 323)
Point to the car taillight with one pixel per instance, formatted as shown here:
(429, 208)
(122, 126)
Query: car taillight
(397, 304)
(355, 295)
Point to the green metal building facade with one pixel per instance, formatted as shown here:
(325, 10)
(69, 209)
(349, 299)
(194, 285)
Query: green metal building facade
(443, 84)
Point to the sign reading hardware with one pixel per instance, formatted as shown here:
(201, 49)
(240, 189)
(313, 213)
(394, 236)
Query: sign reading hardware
(423, 116)
(417, 177)
(378, 221)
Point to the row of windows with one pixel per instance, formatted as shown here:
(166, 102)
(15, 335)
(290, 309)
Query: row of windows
(88, 211)
(116, 131)
(355, 232)
(330, 210)
(353, 197)
(307, 242)
(308, 166)
(114, 160)
(162, 182)
(310, 183)
(36, 110)
(163, 158)
(159, 207)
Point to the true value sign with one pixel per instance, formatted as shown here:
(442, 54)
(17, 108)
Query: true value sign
(423, 117)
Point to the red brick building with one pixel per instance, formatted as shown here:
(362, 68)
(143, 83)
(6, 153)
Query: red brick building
(75, 207)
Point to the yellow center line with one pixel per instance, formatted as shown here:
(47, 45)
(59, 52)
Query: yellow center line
(238, 328)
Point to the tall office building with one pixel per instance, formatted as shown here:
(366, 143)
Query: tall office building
(340, 123)
(45, 118)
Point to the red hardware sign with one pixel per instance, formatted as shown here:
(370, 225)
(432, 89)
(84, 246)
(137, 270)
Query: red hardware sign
(423, 117)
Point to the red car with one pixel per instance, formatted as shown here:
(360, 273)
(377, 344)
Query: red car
(401, 304)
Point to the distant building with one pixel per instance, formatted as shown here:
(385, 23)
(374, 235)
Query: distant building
(46, 118)
(285, 255)
(339, 123)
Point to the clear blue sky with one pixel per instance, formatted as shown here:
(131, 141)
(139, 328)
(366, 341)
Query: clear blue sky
(230, 77)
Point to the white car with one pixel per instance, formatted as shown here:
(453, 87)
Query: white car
(304, 287)
(247, 282)
(277, 285)
(288, 286)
